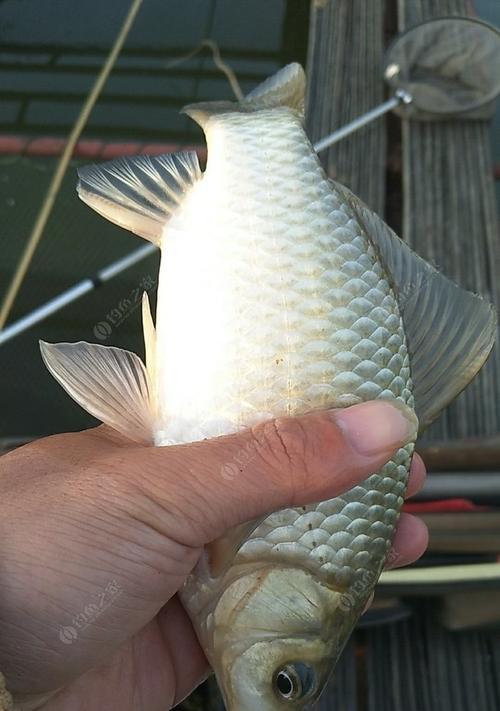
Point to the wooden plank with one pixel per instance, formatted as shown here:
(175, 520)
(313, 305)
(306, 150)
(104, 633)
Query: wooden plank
(450, 219)
(344, 81)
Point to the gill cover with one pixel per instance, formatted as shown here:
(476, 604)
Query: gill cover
(280, 645)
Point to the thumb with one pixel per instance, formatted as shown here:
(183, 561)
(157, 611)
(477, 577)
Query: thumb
(210, 486)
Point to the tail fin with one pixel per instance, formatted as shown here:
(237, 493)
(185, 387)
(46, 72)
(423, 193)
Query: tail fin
(139, 193)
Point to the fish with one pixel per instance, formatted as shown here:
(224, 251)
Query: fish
(279, 293)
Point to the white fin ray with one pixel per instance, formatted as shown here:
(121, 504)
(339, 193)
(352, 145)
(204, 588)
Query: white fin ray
(110, 383)
(450, 331)
(140, 193)
(149, 344)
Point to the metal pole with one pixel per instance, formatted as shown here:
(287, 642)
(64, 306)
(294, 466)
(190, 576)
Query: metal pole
(75, 292)
(401, 97)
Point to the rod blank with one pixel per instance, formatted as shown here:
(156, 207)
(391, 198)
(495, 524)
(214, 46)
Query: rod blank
(74, 293)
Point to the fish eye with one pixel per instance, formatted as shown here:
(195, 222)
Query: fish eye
(294, 681)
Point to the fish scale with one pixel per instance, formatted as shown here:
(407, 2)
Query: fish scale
(331, 335)
(346, 536)
(303, 355)
(279, 293)
(335, 323)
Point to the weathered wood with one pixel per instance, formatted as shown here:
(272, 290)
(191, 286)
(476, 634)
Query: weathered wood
(474, 454)
(449, 202)
(450, 219)
(341, 691)
(419, 666)
(344, 81)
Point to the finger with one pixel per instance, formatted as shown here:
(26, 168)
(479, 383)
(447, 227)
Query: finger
(180, 638)
(410, 541)
(417, 476)
(160, 665)
(219, 483)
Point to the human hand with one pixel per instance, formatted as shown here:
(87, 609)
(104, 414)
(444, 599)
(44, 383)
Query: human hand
(98, 534)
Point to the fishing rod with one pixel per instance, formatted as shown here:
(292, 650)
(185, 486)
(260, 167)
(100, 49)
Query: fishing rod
(417, 70)
(75, 292)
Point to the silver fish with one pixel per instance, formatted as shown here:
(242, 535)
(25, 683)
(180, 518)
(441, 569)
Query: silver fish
(280, 293)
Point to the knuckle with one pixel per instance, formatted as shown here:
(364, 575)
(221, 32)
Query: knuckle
(283, 442)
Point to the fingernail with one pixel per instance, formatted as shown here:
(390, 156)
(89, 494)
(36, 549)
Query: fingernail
(377, 426)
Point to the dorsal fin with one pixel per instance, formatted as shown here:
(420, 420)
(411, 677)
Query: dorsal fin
(287, 87)
(450, 331)
(140, 193)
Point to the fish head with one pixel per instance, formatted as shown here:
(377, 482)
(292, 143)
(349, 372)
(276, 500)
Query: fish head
(276, 635)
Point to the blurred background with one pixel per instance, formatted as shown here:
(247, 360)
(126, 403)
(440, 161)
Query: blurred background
(436, 182)
(50, 53)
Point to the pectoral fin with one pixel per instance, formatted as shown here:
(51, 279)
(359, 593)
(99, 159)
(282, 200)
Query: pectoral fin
(110, 383)
(140, 193)
(450, 331)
